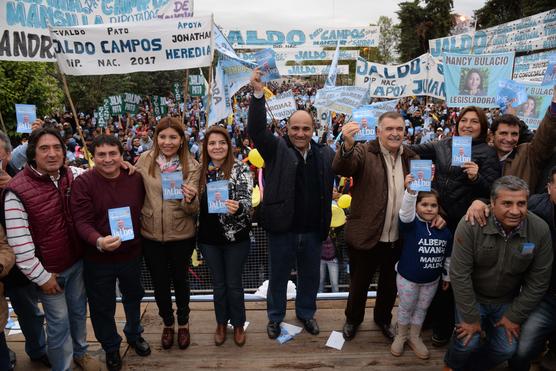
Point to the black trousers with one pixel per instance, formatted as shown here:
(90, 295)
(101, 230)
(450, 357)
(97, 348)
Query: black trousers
(362, 266)
(168, 263)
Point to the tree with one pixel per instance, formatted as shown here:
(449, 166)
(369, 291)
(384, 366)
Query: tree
(28, 83)
(496, 12)
(88, 92)
(419, 24)
(411, 16)
(389, 39)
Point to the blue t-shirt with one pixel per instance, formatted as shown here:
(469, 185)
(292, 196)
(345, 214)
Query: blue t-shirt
(424, 251)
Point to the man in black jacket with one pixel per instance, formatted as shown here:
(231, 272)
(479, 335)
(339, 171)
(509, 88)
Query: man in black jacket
(296, 209)
(541, 323)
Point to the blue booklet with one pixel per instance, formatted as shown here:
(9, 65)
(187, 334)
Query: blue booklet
(422, 175)
(217, 194)
(171, 185)
(25, 114)
(461, 150)
(550, 74)
(120, 223)
(266, 61)
(367, 124)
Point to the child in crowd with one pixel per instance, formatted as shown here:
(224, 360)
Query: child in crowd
(425, 257)
(329, 260)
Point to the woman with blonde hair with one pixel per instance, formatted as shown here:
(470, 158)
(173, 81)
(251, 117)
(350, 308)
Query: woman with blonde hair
(168, 224)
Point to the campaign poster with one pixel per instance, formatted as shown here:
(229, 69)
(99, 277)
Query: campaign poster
(461, 150)
(25, 115)
(422, 175)
(120, 223)
(472, 80)
(171, 185)
(367, 124)
(217, 194)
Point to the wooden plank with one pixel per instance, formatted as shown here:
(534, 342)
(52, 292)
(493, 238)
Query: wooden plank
(369, 349)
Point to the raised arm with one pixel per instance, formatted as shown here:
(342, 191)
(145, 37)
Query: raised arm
(264, 140)
(349, 156)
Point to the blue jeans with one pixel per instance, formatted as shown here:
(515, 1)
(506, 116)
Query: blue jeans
(478, 355)
(66, 317)
(284, 249)
(100, 283)
(226, 267)
(534, 333)
(333, 273)
(25, 301)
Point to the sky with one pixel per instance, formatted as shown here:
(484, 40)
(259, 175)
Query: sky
(249, 13)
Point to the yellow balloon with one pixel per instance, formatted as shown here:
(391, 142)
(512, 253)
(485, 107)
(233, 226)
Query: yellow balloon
(195, 259)
(255, 158)
(338, 217)
(344, 201)
(256, 196)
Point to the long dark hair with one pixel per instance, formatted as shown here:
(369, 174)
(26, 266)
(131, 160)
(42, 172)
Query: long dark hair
(183, 151)
(482, 120)
(205, 159)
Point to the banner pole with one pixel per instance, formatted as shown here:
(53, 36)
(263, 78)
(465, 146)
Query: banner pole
(185, 95)
(2, 122)
(75, 117)
(209, 95)
(274, 121)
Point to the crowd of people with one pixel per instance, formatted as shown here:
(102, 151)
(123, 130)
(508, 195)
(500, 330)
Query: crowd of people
(470, 254)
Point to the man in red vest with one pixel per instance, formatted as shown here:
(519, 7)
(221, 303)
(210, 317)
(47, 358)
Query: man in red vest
(41, 233)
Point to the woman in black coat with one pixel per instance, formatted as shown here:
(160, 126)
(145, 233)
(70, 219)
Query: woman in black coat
(458, 188)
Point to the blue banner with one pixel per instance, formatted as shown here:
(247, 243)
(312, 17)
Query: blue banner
(539, 97)
(266, 61)
(472, 80)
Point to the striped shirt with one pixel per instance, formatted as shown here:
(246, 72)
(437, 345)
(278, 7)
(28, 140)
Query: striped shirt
(19, 235)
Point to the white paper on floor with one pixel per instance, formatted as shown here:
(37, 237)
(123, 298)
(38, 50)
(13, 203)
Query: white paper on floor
(336, 340)
(287, 332)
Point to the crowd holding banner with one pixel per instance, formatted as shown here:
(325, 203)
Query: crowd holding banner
(193, 153)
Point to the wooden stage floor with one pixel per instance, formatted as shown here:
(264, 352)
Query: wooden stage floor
(369, 350)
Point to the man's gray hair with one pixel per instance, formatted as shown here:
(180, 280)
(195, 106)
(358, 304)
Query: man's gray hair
(510, 183)
(6, 142)
(390, 115)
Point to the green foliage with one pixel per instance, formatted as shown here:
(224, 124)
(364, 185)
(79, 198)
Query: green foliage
(389, 39)
(418, 24)
(496, 12)
(28, 83)
(88, 92)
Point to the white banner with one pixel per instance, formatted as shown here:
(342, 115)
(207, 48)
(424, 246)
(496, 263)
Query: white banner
(343, 99)
(24, 24)
(526, 34)
(160, 45)
(420, 76)
(310, 70)
(220, 105)
(531, 68)
(284, 37)
(282, 105)
(311, 54)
